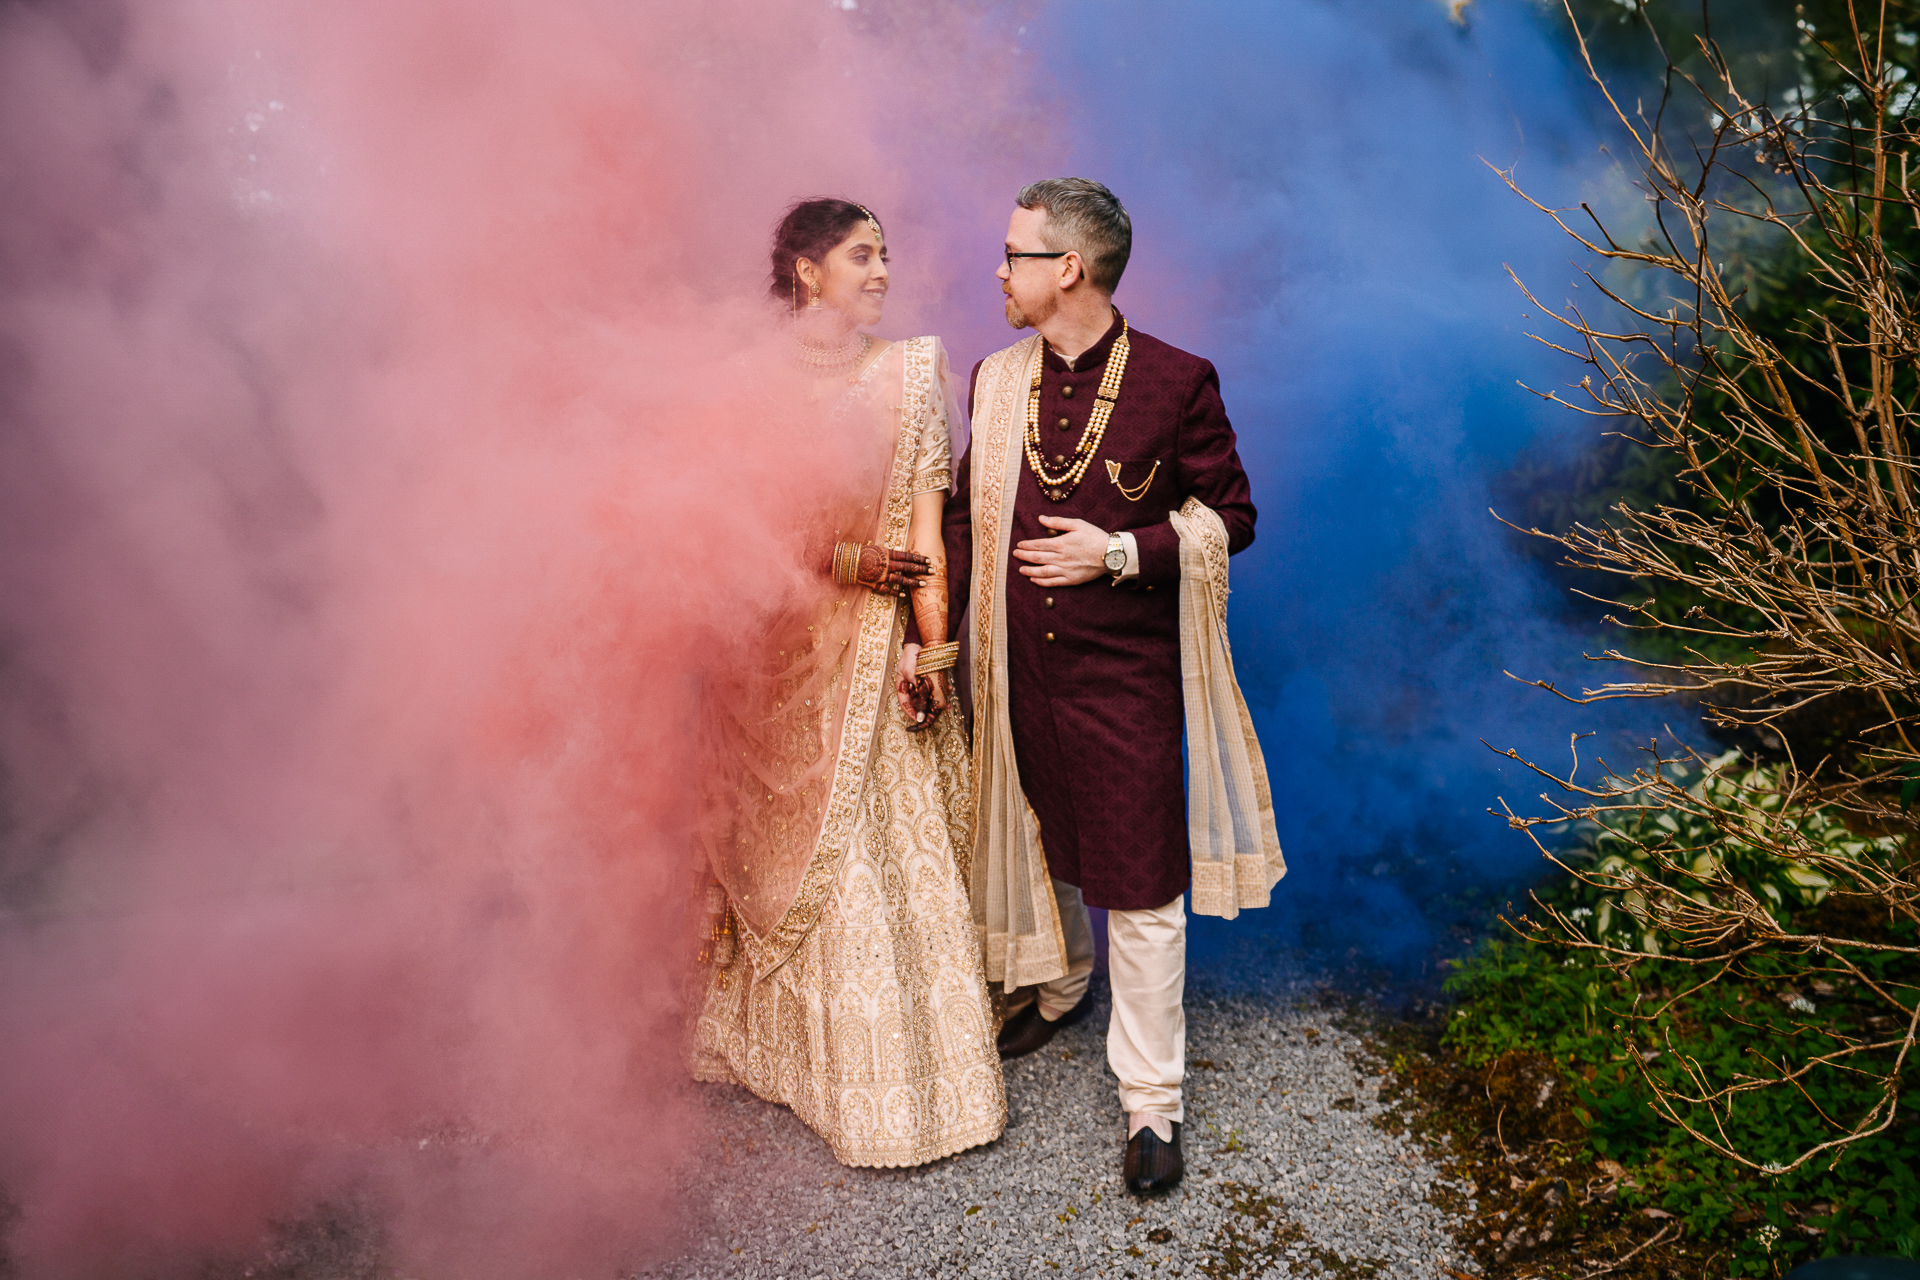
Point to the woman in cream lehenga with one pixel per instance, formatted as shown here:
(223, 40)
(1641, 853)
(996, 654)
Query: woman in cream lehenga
(842, 977)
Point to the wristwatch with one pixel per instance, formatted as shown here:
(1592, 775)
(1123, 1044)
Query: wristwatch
(1116, 553)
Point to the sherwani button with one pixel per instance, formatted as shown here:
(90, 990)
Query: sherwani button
(1065, 424)
(1049, 636)
(1049, 602)
(1067, 392)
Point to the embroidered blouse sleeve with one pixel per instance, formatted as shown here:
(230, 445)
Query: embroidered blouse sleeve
(933, 461)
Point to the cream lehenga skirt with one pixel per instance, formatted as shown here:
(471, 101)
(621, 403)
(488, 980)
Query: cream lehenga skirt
(877, 1029)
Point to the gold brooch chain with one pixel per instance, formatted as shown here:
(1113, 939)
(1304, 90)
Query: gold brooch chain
(1138, 491)
(1058, 485)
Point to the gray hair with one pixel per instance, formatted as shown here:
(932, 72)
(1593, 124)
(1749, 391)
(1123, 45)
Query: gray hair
(1083, 217)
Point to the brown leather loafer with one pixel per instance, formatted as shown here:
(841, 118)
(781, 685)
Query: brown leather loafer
(1151, 1165)
(1027, 1031)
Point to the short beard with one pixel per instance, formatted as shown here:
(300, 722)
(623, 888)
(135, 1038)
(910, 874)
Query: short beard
(1021, 319)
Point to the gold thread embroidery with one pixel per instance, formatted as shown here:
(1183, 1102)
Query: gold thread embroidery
(989, 484)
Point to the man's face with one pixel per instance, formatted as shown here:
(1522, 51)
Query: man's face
(1032, 285)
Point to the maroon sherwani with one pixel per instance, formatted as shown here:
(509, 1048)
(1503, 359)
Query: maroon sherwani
(1093, 681)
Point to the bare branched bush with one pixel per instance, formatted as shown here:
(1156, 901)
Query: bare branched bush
(1798, 544)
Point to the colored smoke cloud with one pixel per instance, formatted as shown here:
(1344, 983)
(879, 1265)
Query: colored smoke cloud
(1314, 211)
(378, 482)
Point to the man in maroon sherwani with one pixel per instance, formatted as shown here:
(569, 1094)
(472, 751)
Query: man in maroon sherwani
(1092, 632)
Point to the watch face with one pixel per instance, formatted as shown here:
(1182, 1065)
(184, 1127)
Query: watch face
(1116, 560)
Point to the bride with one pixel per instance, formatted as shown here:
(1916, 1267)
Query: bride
(842, 976)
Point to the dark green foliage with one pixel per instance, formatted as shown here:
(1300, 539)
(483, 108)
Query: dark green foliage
(1528, 997)
(1622, 1029)
(1617, 1029)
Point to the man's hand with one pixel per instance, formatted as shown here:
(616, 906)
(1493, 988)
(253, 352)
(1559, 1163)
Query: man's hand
(1076, 554)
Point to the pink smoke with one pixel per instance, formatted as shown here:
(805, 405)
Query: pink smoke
(376, 487)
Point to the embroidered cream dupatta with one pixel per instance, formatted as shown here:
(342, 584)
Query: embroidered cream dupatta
(1013, 907)
(792, 734)
(1236, 849)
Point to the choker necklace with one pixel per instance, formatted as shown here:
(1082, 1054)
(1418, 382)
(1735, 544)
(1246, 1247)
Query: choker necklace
(831, 360)
(1057, 484)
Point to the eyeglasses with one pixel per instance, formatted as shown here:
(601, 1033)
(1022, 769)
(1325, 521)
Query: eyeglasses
(1011, 255)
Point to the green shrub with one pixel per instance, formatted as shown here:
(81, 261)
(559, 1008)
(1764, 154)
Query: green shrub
(1622, 1028)
(1528, 996)
(1687, 849)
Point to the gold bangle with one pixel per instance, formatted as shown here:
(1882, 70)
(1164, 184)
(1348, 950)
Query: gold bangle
(937, 657)
(846, 563)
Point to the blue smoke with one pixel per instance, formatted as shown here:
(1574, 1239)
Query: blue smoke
(1312, 212)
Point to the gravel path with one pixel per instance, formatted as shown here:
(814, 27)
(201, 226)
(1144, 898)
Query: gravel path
(1287, 1173)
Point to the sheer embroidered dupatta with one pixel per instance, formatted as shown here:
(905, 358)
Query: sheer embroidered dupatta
(1014, 911)
(792, 736)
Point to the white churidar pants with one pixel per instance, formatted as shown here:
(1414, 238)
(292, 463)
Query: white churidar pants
(1147, 967)
(1057, 998)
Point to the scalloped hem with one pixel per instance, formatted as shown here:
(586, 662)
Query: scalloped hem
(965, 1140)
(952, 1144)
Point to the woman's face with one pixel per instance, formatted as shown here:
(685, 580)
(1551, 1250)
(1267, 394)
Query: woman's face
(853, 278)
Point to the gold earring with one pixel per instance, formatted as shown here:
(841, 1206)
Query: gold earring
(814, 305)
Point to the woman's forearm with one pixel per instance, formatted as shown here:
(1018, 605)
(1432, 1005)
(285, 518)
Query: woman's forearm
(930, 596)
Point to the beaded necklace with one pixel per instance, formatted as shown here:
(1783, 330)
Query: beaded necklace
(832, 360)
(1057, 485)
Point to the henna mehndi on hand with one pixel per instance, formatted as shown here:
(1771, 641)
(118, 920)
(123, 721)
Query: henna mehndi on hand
(891, 571)
(930, 613)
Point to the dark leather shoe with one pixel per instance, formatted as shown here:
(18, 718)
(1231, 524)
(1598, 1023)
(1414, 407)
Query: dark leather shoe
(1152, 1165)
(1027, 1031)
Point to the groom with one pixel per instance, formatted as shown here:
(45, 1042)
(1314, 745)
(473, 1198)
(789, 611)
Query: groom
(1084, 441)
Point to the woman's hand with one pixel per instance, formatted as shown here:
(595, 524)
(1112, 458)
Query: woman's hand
(937, 690)
(891, 572)
(922, 698)
(906, 680)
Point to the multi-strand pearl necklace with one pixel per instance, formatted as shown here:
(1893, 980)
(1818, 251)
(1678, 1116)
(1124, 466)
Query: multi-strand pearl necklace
(1057, 485)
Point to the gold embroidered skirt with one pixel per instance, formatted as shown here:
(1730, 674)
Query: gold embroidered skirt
(877, 1031)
